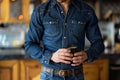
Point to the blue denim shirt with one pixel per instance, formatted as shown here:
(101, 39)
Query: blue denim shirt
(56, 30)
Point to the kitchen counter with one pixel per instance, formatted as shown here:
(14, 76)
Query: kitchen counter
(12, 51)
(13, 54)
(112, 55)
(114, 59)
(20, 54)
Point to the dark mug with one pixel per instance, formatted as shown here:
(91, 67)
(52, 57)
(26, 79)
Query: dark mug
(73, 49)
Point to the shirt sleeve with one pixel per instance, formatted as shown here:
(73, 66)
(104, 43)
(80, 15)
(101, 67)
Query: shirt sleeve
(33, 38)
(93, 34)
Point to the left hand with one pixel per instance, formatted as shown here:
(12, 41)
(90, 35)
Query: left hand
(79, 58)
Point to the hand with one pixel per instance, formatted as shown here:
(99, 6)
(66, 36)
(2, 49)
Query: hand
(62, 55)
(79, 57)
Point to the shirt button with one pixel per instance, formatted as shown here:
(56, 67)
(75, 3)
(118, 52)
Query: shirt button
(65, 24)
(45, 61)
(62, 12)
(65, 37)
(50, 22)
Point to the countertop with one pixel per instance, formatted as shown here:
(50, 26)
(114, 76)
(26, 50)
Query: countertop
(20, 54)
(13, 54)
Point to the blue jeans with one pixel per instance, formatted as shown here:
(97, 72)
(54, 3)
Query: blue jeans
(47, 76)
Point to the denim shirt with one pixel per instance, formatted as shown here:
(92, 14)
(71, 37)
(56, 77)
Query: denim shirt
(56, 30)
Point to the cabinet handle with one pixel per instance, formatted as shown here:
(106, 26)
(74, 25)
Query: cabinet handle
(1, 1)
(85, 73)
(115, 68)
(36, 66)
(0, 71)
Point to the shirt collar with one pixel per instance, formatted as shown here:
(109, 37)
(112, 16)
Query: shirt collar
(76, 3)
(53, 3)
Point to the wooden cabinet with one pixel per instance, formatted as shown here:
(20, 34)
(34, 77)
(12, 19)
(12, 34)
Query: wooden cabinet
(19, 11)
(30, 70)
(9, 70)
(97, 70)
(91, 72)
(20, 70)
(4, 11)
(13, 11)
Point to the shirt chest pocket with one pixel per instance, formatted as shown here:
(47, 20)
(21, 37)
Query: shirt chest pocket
(77, 26)
(51, 27)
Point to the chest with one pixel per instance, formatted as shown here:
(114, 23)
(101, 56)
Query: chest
(55, 22)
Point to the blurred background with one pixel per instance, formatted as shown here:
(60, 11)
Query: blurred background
(15, 64)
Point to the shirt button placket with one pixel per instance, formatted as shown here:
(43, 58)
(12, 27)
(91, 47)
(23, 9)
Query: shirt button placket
(65, 36)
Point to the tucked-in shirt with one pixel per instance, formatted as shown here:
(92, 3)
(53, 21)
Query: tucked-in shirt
(51, 29)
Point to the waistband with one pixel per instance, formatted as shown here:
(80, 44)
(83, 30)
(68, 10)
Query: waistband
(63, 73)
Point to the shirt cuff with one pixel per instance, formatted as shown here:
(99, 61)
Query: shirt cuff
(46, 57)
(89, 54)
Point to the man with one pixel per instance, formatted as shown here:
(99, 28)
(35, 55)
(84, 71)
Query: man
(61, 24)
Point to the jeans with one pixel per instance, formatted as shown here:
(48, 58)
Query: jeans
(47, 76)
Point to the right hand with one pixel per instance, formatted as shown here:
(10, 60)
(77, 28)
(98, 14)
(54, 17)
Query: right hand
(62, 55)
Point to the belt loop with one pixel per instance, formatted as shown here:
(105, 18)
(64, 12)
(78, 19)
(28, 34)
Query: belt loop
(73, 72)
(52, 72)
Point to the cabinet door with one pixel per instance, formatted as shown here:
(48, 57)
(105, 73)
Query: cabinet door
(18, 11)
(91, 72)
(103, 65)
(9, 70)
(30, 70)
(97, 70)
(4, 10)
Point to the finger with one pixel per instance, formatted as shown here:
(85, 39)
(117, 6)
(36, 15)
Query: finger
(66, 54)
(78, 54)
(65, 61)
(66, 58)
(75, 64)
(77, 59)
(64, 50)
